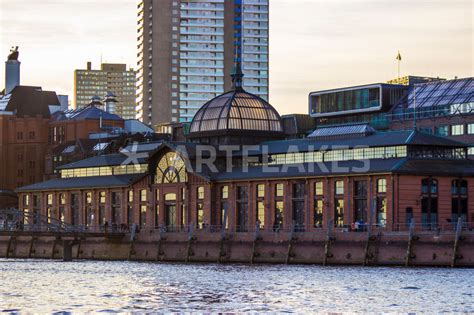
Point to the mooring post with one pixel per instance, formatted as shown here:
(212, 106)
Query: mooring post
(411, 236)
(132, 240)
(190, 240)
(31, 249)
(9, 246)
(161, 238)
(53, 251)
(290, 243)
(456, 242)
(255, 240)
(327, 244)
(67, 251)
(367, 255)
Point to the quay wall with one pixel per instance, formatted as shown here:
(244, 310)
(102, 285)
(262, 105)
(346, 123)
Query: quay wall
(391, 249)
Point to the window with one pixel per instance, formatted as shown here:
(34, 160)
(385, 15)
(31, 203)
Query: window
(279, 208)
(261, 214)
(242, 208)
(49, 199)
(130, 196)
(102, 197)
(429, 203)
(26, 200)
(298, 206)
(260, 191)
(457, 130)
(200, 215)
(339, 213)
(458, 201)
(442, 131)
(279, 190)
(143, 215)
(31, 135)
(143, 195)
(200, 192)
(171, 169)
(225, 192)
(339, 185)
(381, 185)
(88, 197)
(470, 129)
(19, 135)
(318, 188)
(318, 213)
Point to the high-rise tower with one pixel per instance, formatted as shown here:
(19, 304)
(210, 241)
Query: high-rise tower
(186, 54)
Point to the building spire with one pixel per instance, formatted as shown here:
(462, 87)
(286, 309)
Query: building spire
(237, 74)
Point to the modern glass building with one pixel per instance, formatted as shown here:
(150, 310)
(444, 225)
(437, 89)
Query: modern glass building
(359, 104)
(186, 53)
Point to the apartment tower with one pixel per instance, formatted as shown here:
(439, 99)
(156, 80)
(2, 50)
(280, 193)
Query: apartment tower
(186, 52)
(111, 78)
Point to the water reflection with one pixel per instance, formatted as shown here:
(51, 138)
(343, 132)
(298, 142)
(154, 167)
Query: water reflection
(85, 286)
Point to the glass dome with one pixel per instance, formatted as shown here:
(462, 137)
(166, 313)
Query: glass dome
(236, 110)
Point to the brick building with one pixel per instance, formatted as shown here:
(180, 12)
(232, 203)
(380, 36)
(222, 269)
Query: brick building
(335, 177)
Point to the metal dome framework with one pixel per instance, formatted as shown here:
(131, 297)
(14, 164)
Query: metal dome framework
(237, 111)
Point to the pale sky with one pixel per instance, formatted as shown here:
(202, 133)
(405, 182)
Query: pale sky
(314, 44)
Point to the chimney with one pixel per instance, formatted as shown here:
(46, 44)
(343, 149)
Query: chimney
(89, 65)
(12, 70)
(110, 101)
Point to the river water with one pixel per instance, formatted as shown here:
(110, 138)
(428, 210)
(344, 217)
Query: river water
(42, 286)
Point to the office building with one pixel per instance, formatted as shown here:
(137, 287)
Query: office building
(186, 53)
(111, 78)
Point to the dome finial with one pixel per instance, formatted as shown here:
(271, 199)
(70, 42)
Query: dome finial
(237, 74)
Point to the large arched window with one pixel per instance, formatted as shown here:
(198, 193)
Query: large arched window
(171, 169)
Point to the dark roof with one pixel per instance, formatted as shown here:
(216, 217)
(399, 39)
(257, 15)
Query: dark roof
(311, 169)
(100, 160)
(389, 138)
(84, 182)
(88, 112)
(31, 101)
(297, 123)
(438, 167)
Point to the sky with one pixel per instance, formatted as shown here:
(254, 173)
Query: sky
(314, 44)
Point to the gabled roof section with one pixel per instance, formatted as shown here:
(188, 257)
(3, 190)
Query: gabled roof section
(347, 131)
(89, 112)
(31, 101)
(101, 160)
(84, 182)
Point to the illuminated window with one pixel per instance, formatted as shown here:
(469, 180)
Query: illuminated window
(130, 196)
(50, 199)
(143, 195)
(318, 213)
(261, 191)
(457, 130)
(26, 200)
(381, 185)
(102, 197)
(171, 169)
(279, 190)
(339, 185)
(225, 192)
(261, 214)
(170, 197)
(62, 198)
(200, 192)
(318, 188)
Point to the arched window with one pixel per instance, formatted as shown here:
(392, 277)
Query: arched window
(171, 169)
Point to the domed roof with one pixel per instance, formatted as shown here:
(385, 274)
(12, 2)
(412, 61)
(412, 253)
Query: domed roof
(236, 110)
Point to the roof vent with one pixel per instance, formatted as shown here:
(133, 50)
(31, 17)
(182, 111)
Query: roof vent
(342, 132)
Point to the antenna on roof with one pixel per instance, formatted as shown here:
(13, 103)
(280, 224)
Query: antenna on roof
(399, 58)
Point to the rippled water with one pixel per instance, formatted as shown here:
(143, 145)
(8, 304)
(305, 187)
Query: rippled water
(83, 286)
